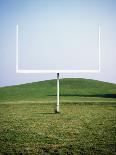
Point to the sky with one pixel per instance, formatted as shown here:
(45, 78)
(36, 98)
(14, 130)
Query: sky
(55, 34)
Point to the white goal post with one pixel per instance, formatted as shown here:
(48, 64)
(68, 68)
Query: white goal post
(29, 71)
(26, 71)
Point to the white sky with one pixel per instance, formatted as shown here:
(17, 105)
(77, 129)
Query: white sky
(57, 35)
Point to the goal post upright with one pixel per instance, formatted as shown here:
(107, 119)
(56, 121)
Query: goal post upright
(17, 46)
(99, 46)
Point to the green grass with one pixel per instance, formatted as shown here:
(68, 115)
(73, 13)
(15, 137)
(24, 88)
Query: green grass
(70, 89)
(85, 126)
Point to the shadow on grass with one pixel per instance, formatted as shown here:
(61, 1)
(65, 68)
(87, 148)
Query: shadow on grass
(46, 113)
(87, 95)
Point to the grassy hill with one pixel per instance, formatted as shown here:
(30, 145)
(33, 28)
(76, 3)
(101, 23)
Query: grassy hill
(85, 126)
(70, 89)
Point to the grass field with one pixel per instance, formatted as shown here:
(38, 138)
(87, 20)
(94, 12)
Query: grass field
(85, 126)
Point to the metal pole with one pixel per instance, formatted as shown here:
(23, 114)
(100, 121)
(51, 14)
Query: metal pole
(17, 48)
(99, 48)
(57, 106)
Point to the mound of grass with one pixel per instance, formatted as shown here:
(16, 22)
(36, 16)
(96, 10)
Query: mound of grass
(70, 89)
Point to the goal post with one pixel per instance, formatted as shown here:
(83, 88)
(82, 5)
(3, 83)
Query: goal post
(36, 71)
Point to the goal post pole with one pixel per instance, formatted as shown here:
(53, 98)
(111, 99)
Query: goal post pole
(57, 110)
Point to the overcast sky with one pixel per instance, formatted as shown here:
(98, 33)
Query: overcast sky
(55, 34)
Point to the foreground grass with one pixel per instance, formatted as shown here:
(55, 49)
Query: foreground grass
(80, 128)
(85, 126)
